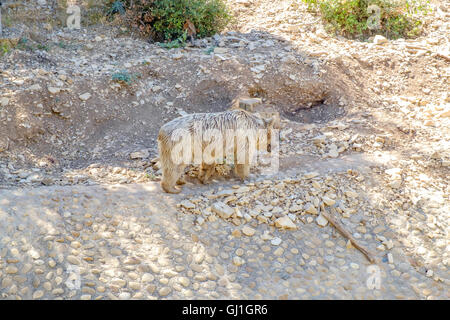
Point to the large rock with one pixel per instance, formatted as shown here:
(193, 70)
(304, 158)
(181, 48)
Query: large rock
(379, 39)
(249, 103)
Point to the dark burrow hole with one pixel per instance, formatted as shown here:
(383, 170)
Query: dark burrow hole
(318, 113)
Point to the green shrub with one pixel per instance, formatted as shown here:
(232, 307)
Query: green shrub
(177, 43)
(24, 44)
(124, 77)
(164, 20)
(352, 18)
(4, 48)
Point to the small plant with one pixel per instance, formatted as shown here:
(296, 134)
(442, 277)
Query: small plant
(209, 50)
(353, 18)
(61, 44)
(177, 43)
(124, 77)
(7, 21)
(43, 47)
(24, 44)
(4, 48)
(150, 176)
(116, 7)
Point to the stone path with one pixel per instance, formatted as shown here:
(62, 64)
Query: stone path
(131, 241)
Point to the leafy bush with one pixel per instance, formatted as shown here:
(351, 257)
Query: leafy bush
(356, 18)
(165, 19)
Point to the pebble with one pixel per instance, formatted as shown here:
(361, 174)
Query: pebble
(85, 96)
(57, 291)
(328, 201)
(310, 175)
(238, 261)
(147, 277)
(285, 223)
(321, 221)
(184, 281)
(164, 291)
(310, 208)
(329, 243)
(11, 270)
(124, 296)
(187, 204)
(4, 101)
(248, 231)
(34, 254)
(38, 294)
(390, 258)
(354, 266)
(278, 252)
(116, 252)
(134, 285)
(276, 241)
(73, 260)
(54, 90)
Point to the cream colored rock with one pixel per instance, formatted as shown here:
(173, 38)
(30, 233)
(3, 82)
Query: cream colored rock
(310, 208)
(219, 50)
(285, 223)
(295, 208)
(139, 154)
(328, 201)
(84, 96)
(379, 40)
(73, 260)
(53, 90)
(248, 231)
(187, 204)
(222, 210)
(238, 261)
(38, 294)
(310, 175)
(321, 221)
(4, 101)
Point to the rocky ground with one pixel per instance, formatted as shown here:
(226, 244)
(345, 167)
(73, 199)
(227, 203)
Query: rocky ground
(365, 135)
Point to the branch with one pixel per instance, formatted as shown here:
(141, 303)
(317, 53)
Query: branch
(347, 234)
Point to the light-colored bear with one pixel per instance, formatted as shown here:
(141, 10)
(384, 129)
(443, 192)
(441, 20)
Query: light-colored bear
(207, 139)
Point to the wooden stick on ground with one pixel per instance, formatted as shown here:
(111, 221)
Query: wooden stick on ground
(347, 234)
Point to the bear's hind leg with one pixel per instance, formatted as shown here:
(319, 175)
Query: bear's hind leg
(206, 172)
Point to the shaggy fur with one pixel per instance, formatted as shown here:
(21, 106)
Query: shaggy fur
(222, 121)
